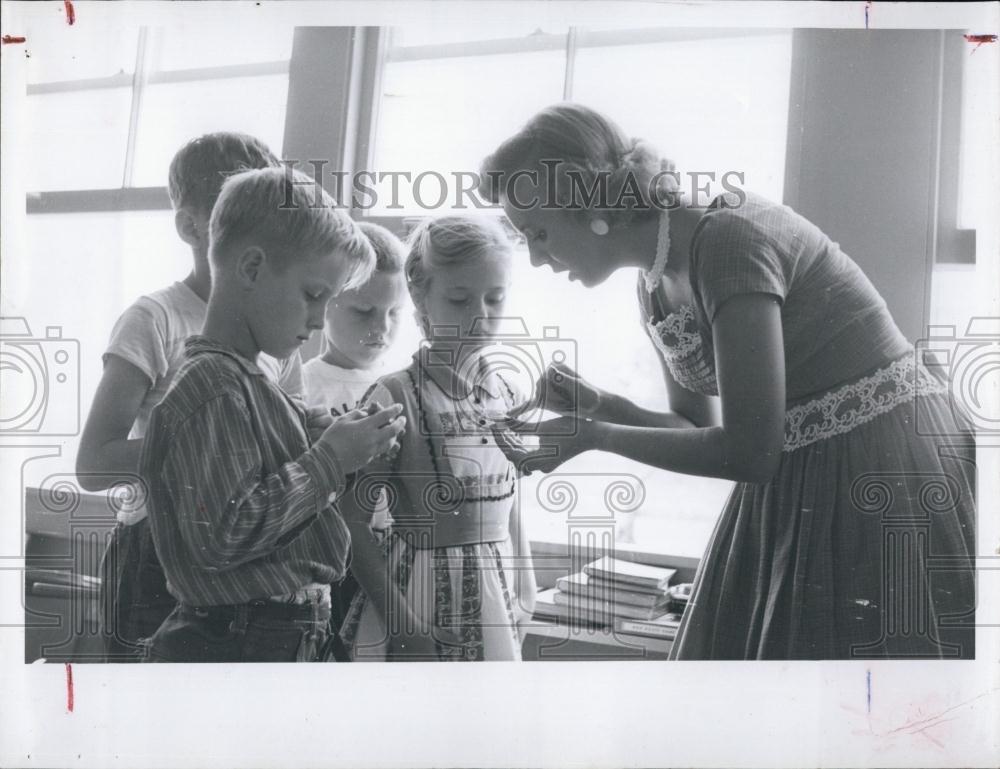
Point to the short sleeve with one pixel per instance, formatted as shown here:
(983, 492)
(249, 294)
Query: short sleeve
(732, 254)
(139, 338)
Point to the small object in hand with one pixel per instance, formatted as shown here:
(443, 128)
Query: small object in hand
(510, 443)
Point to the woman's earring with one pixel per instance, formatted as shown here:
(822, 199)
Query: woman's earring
(599, 227)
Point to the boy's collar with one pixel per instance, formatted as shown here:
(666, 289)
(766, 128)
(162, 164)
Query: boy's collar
(198, 344)
(437, 365)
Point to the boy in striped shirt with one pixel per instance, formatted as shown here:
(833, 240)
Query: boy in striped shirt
(239, 474)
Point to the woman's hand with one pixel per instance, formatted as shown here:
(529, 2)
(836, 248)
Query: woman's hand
(559, 440)
(562, 391)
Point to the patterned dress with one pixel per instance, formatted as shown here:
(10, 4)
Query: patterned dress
(862, 543)
(449, 466)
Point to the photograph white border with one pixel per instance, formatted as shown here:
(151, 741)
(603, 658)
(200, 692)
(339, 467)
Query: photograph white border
(878, 713)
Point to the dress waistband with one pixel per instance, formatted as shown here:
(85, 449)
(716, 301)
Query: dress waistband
(844, 408)
(434, 539)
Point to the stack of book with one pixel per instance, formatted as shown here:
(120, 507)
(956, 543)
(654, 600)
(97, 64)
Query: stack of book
(631, 597)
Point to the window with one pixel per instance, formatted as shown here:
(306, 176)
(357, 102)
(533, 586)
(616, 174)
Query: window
(107, 110)
(477, 86)
(466, 97)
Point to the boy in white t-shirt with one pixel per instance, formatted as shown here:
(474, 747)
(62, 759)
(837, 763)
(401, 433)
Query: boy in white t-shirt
(360, 328)
(145, 351)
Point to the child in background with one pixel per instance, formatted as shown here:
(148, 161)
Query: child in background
(144, 354)
(360, 328)
(457, 555)
(239, 481)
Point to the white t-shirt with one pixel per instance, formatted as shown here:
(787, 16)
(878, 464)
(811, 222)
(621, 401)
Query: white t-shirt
(340, 389)
(334, 387)
(150, 335)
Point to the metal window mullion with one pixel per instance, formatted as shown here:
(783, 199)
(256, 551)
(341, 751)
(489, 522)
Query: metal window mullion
(369, 77)
(553, 42)
(571, 46)
(94, 201)
(123, 79)
(138, 87)
(544, 42)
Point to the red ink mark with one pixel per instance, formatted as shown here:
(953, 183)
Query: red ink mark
(70, 12)
(11, 39)
(69, 687)
(979, 40)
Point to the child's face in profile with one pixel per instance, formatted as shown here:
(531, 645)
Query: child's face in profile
(470, 299)
(361, 324)
(289, 301)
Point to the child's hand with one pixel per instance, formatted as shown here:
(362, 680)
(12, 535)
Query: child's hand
(357, 438)
(563, 391)
(317, 420)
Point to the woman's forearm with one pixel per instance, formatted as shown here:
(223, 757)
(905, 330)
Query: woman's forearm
(706, 451)
(619, 410)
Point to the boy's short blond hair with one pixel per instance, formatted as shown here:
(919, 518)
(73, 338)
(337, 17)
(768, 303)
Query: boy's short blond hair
(200, 168)
(285, 213)
(389, 250)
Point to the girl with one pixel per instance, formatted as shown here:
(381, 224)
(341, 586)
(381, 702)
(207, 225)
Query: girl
(454, 578)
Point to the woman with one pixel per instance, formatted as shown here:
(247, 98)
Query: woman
(829, 425)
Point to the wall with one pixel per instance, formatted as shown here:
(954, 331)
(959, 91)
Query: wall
(871, 144)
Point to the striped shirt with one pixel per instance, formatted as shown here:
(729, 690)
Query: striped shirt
(239, 502)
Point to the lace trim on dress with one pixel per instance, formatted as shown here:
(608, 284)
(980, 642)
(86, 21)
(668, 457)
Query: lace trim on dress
(679, 342)
(854, 404)
(834, 413)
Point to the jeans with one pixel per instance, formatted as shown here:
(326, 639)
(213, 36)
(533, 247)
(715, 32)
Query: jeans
(261, 631)
(134, 600)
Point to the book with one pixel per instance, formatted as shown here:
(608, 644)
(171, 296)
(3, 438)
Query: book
(546, 608)
(604, 590)
(589, 607)
(631, 574)
(661, 627)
